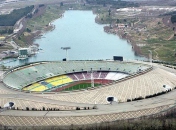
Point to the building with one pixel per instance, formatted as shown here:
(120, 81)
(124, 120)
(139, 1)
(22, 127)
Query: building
(33, 49)
(16, 30)
(121, 26)
(23, 53)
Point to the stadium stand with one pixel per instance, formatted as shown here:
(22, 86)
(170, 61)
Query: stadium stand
(115, 76)
(48, 83)
(72, 76)
(69, 78)
(87, 75)
(146, 84)
(96, 75)
(103, 75)
(36, 87)
(79, 76)
(60, 80)
(35, 72)
(4, 90)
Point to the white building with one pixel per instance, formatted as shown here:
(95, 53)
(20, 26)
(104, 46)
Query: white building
(23, 53)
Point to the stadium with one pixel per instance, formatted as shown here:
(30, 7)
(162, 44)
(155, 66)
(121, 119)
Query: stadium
(64, 93)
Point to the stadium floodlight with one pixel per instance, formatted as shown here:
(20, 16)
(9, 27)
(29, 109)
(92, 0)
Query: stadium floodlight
(91, 77)
(66, 48)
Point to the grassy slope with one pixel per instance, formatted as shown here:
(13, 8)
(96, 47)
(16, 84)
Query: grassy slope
(52, 12)
(40, 23)
(156, 37)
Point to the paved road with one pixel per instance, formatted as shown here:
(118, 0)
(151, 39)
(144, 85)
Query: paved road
(166, 99)
(14, 45)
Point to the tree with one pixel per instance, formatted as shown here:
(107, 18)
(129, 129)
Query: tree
(109, 12)
(117, 21)
(10, 31)
(104, 4)
(28, 30)
(3, 67)
(61, 4)
(36, 11)
(41, 5)
(173, 18)
(29, 15)
(15, 15)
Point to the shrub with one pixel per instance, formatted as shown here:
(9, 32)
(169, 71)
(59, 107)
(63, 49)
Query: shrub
(27, 108)
(77, 108)
(95, 107)
(128, 100)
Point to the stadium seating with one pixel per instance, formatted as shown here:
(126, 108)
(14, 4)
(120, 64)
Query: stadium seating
(72, 76)
(79, 76)
(140, 86)
(49, 83)
(36, 72)
(103, 75)
(36, 87)
(60, 80)
(115, 76)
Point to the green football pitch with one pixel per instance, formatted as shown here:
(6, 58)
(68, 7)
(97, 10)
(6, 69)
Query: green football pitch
(81, 86)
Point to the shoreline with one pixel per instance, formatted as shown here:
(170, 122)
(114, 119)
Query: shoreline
(50, 27)
(135, 48)
(120, 34)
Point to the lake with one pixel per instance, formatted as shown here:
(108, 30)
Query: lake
(87, 39)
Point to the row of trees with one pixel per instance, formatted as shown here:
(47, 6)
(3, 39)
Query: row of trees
(115, 4)
(12, 18)
(173, 18)
(6, 31)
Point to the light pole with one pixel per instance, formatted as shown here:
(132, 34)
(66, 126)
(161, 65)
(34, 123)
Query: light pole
(150, 57)
(66, 48)
(92, 80)
(91, 77)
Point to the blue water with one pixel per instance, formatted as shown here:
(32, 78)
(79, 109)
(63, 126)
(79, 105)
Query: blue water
(87, 39)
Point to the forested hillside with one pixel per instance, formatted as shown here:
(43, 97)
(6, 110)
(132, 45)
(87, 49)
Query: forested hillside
(12, 18)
